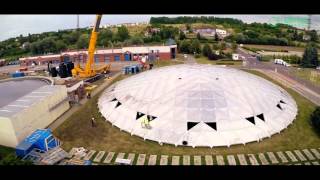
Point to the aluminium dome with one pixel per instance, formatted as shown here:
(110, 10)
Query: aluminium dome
(198, 105)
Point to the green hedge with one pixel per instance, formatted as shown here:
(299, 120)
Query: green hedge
(315, 119)
(225, 63)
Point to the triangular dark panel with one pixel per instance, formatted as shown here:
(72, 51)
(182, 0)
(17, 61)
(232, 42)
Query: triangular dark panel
(118, 104)
(151, 118)
(278, 105)
(114, 99)
(213, 125)
(251, 119)
(191, 124)
(139, 115)
(261, 116)
(282, 102)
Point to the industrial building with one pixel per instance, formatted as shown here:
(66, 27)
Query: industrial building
(198, 106)
(211, 32)
(30, 110)
(105, 55)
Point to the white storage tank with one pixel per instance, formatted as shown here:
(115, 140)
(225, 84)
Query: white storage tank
(35, 110)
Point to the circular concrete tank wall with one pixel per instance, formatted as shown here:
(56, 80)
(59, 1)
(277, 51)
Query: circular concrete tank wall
(11, 90)
(198, 105)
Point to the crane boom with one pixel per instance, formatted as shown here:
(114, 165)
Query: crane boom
(89, 71)
(92, 44)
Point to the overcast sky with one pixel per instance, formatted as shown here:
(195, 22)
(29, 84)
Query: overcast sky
(14, 25)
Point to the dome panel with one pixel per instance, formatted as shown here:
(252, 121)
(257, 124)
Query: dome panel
(198, 105)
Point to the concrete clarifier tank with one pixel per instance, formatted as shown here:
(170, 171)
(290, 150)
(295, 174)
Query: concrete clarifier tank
(36, 109)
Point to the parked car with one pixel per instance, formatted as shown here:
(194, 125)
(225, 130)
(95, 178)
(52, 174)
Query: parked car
(281, 62)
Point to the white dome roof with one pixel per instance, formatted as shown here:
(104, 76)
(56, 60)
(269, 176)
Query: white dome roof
(198, 105)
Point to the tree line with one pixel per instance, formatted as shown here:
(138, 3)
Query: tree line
(253, 33)
(190, 20)
(55, 42)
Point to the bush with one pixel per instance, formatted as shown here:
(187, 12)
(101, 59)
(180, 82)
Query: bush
(315, 119)
(184, 46)
(266, 58)
(213, 56)
(228, 55)
(195, 46)
(225, 63)
(310, 56)
(12, 159)
(206, 50)
(197, 55)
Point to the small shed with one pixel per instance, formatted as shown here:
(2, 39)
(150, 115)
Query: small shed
(41, 139)
(235, 57)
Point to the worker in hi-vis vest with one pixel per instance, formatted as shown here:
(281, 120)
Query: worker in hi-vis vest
(145, 122)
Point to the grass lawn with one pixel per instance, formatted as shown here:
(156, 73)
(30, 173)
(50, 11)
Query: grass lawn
(162, 63)
(311, 75)
(205, 60)
(77, 132)
(274, 48)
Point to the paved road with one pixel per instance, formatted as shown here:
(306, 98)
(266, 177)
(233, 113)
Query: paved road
(282, 74)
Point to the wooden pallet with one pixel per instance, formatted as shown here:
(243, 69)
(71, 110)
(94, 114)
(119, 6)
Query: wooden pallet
(53, 156)
(75, 161)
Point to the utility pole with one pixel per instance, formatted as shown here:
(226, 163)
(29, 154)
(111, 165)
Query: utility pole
(78, 32)
(78, 22)
(309, 22)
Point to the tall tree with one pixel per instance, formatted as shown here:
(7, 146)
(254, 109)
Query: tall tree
(182, 36)
(199, 36)
(188, 27)
(206, 50)
(105, 35)
(60, 45)
(315, 119)
(313, 36)
(216, 37)
(184, 46)
(136, 40)
(195, 46)
(295, 36)
(83, 41)
(123, 33)
(310, 56)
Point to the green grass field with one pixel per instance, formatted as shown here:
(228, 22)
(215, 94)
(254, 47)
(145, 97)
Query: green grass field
(308, 74)
(162, 63)
(77, 132)
(274, 48)
(205, 60)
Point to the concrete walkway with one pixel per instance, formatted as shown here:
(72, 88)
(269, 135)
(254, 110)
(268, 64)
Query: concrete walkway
(75, 108)
(190, 60)
(266, 158)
